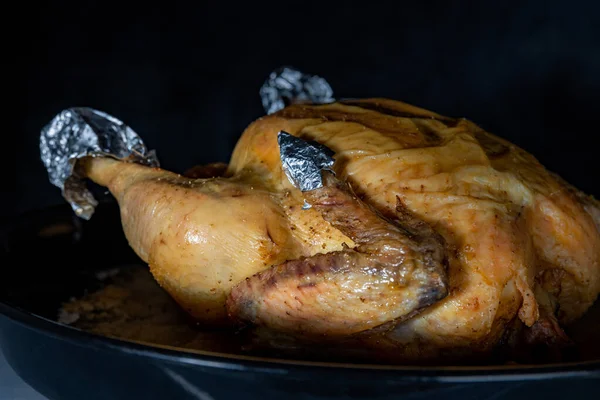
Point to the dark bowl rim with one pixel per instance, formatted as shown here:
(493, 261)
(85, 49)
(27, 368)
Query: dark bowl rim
(275, 366)
(241, 363)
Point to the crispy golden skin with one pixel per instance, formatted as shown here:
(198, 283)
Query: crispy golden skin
(520, 244)
(397, 268)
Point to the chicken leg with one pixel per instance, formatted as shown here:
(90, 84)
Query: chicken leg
(200, 237)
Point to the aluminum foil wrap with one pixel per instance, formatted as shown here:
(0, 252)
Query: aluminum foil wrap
(303, 161)
(287, 85)
(79, 132)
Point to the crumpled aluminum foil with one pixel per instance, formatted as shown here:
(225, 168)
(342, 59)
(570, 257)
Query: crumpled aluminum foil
(303, 161)
(287, 86)
(79, 132)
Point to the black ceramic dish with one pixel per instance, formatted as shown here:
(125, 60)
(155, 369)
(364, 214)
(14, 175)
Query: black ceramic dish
(49, 256)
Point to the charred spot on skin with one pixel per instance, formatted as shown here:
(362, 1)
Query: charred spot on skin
(492, 147)
(271, 282)
(314, 269)
(431, 137)
(380, 108)
(401, 207)
(307, 285)
(430, 295)
(246, 307)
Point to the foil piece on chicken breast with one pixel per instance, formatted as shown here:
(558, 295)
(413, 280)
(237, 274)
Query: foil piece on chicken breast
(80, 132)
(302, 161)
(287, 85)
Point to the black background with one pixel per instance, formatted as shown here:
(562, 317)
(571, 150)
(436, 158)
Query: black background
(186, 77)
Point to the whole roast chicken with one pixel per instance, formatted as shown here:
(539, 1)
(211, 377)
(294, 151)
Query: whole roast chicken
(428, 236)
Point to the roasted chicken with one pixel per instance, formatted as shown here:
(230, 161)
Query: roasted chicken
(430, 235)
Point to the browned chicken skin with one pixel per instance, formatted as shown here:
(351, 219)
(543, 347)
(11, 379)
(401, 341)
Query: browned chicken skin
(394, 271)
(446, 236)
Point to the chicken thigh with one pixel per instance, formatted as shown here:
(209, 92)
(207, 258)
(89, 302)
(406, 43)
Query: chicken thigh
(429, 236)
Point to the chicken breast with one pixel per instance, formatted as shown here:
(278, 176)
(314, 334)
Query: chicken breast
(433, 237)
